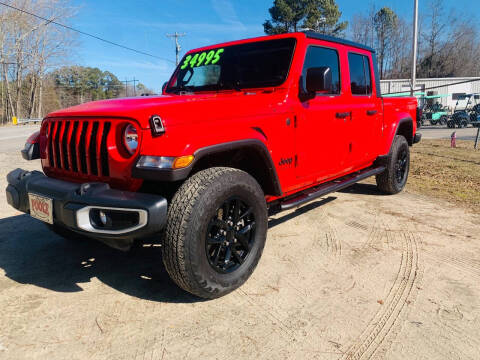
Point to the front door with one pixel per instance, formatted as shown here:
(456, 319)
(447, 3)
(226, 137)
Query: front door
(321, 140)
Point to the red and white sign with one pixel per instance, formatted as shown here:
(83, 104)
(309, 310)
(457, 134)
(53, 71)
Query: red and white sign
(41, 208)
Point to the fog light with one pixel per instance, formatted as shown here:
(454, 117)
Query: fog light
(103, 217)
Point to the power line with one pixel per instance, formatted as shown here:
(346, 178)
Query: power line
(85, 33)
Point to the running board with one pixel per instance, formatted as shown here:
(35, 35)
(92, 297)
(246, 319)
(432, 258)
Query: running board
(330, 187)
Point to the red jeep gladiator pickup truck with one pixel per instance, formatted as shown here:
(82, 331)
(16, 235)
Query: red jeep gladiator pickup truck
(241, 129)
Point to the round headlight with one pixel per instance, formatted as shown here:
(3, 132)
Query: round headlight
(130, 138)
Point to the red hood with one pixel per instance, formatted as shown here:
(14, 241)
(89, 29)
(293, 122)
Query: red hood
(176, 110)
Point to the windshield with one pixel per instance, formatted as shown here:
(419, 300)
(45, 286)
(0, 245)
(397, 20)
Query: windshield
(251, 65)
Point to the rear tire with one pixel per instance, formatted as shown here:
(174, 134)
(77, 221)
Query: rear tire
(394, 178)
(216, 232)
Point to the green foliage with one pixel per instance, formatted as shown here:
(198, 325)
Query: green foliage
(292, 15)
(323, 16)
(86, 82)
(385, 22)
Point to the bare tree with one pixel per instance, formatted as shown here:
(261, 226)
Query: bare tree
(363, 27)
(398, 62)
(29, 47)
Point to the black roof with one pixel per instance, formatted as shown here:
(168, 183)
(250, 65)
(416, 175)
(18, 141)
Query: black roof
(318, 36)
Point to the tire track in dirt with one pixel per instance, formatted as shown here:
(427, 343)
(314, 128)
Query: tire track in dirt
(268, 313)
(399, 296)
(375, 233)
(334, 245)
(463, 336)
(357, 225)
(461, 264)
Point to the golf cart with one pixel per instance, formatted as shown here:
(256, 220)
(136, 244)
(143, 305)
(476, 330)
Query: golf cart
(433, 111)
(460, 118)
(475, 113)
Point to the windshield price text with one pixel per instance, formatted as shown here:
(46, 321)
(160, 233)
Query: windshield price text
(202, 59)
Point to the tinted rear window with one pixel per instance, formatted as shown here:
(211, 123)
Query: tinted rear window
(360, 77)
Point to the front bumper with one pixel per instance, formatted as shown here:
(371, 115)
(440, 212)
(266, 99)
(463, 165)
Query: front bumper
(74, 203)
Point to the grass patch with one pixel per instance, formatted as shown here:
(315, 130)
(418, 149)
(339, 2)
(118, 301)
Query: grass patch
(448, 173)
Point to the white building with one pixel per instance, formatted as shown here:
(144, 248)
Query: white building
(469, 86)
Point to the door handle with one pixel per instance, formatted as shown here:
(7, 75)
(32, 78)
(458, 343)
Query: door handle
(343, 115)
(371, 112)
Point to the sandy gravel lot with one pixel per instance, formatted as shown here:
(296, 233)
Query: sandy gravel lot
(357, 275)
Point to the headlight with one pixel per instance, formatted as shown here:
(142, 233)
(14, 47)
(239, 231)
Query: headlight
(164, 162)
(130, 139)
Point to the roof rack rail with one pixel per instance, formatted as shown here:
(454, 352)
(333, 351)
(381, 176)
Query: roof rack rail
(318, 36)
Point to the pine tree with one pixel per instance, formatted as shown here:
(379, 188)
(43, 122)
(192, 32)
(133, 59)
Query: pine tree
(317, 15)
(385, 22)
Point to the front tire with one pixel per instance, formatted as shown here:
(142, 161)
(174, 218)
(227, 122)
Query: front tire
(394, 178)
(216, 232)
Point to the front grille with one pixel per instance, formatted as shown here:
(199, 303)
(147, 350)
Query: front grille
(78, 146)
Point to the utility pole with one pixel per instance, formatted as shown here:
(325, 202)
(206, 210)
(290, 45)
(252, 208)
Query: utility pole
(477, 139)
(178, 48)
(134, 86)
(415, 45)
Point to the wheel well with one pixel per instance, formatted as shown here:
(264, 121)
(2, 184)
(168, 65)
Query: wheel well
(406, 130)
(248, 159)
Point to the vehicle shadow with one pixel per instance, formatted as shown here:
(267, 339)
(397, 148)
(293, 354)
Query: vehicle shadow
(299, 211)
(31, 254)
(362, 189)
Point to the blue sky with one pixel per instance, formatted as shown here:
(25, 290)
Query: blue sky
(142, 24)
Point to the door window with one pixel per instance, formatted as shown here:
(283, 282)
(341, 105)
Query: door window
(360, 76)
(323, 57)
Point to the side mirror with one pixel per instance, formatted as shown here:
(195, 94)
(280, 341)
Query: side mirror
(319, 79)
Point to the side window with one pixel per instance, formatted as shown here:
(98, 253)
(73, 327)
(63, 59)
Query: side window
(360, 76)
(320, 57)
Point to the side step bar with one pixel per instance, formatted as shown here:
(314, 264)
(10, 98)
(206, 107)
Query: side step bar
(330, 187)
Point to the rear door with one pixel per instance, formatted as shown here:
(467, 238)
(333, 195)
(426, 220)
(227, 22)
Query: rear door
(321, 146)
(366, 107)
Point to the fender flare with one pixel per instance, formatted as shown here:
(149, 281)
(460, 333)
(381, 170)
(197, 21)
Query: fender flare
(169, 175)
(381, 159)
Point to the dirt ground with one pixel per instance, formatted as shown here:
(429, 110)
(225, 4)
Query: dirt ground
(356, 275)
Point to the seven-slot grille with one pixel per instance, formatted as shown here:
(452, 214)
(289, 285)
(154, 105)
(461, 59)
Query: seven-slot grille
(79, 146)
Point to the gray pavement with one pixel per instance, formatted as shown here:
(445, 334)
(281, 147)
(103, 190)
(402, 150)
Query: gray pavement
(12, 138)
(442, 132)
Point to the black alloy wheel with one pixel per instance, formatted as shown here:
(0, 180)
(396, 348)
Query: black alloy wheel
(401, 166)
(397, 167)
(216, 231)
(230, 235)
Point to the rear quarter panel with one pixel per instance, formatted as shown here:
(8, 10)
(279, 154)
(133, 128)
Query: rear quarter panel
(395, 110)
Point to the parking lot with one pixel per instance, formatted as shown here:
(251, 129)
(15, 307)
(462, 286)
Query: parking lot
(442, 132)
(353, 276)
